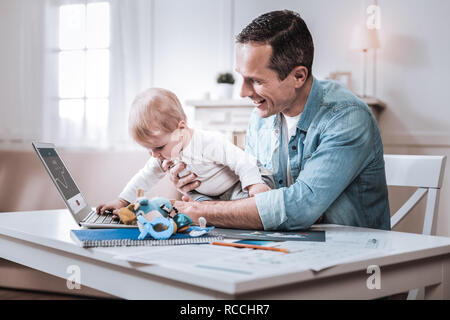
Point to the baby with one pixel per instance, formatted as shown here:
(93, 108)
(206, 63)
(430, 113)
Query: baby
(158, 123)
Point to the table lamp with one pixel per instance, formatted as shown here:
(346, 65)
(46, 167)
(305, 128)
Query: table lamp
(365, 39)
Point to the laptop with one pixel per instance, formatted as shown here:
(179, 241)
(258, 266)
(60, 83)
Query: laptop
(83, 214)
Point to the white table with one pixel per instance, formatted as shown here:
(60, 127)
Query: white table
(41, 240)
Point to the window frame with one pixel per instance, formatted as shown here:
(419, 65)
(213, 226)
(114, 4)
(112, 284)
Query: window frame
(84, 134)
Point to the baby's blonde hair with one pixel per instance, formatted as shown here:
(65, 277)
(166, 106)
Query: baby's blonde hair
(154, 111)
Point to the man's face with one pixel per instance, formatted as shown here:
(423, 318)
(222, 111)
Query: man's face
(261, 84)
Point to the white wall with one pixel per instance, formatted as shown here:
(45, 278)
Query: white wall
(413, 81)
(194, 40)
(414, 71)
(330, 23)
(187, 42)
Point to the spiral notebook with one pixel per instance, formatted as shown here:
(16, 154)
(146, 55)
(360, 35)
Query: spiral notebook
(88, 238)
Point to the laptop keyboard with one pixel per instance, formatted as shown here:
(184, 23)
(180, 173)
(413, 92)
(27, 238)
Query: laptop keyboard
(102, 219)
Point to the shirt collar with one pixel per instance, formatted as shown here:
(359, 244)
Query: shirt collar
(311, 107)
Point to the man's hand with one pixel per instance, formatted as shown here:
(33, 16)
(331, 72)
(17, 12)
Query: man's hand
(239, 214)
(188, 207)
(257, 188)
(186, 183)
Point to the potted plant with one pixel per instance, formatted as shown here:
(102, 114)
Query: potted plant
(225, 82)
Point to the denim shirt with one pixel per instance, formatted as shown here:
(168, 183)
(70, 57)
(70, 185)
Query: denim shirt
(336, 160)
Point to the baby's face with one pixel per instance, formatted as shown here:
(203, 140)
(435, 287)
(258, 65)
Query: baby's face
(164, 146)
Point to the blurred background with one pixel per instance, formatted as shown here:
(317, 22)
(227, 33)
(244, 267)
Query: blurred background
(71, 68)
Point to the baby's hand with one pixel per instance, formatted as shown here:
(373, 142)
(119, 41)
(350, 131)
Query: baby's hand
(167, 164)
(257, 188)
(113, 206)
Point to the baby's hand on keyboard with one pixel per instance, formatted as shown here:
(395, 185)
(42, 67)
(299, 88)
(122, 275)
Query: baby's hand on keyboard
(112, 206)
(257, 188)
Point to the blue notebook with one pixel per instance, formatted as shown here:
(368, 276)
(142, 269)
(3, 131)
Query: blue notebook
(87, 238)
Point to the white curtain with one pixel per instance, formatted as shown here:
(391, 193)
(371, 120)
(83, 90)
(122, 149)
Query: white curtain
(29, 76)
(130, 72)
(187, 49)
(21, 65)
(131, 62)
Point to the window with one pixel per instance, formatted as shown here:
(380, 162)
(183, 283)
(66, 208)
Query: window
(84, 68)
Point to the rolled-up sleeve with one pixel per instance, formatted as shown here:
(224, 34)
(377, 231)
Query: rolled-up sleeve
(271, 208)
(343, 151)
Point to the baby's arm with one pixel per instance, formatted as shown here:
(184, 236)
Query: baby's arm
(240, 162)
(145, 179)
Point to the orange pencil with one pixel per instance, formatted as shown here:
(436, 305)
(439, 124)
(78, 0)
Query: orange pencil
(251, 246)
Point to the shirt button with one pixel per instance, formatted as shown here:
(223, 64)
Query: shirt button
(280, 182)
(294, 148)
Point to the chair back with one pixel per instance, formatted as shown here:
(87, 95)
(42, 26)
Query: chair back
(424, 172)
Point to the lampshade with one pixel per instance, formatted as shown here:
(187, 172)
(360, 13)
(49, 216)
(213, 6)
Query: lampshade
(364, 38)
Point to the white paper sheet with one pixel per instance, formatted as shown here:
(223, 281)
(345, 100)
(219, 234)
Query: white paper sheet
(339, 248)
(174, 255)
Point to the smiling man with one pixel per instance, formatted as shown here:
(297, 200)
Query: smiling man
(320, 141)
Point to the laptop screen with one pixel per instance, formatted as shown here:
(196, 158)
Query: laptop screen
(62, 178)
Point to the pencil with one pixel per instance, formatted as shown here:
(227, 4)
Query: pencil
(251, 246)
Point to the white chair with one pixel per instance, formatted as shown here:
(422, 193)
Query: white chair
(424, 172)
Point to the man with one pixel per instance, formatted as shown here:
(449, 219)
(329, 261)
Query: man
(320, 141)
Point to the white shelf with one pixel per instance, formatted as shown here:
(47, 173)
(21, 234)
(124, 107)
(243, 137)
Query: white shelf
(371, 101)
(221, 103)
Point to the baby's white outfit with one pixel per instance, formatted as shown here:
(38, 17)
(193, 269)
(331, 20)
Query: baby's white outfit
(223, 169)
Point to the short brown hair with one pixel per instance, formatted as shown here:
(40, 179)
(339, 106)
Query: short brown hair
(286, 32)
(154, 111)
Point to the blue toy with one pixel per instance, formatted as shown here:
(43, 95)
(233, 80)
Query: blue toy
(162, 205)
(151, 227)
(154, 219)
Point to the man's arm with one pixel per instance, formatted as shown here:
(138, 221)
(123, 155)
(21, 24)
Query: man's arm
(239, 214)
